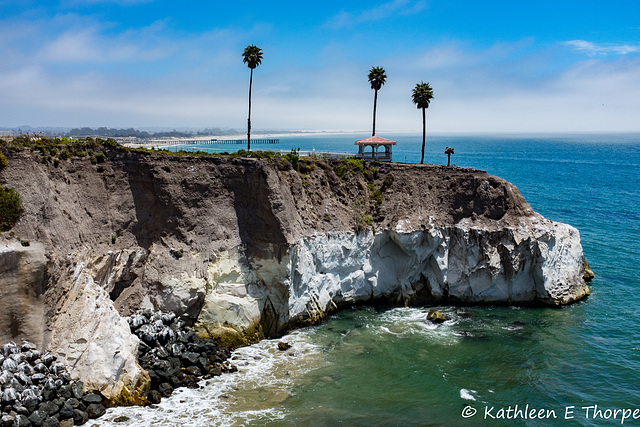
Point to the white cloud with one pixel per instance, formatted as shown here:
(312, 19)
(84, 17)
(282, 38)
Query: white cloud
(75, 71)
(593, 49)
(385, 10)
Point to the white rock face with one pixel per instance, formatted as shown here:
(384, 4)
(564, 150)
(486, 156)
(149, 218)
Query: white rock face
(538, 263)
(231, 306)
(93, 341)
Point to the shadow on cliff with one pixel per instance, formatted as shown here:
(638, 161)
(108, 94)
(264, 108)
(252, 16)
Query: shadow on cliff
(261, 234)
(156, 213)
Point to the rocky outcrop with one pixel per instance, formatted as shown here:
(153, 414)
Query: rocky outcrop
(535, 264)
(243, 248)
(92, 338)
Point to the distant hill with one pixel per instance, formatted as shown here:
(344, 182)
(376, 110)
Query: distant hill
(131, 132)
(117, 133)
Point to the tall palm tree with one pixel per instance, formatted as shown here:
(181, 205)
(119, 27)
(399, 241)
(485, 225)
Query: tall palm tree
(377, 77)
(252, 57)
(422, 96)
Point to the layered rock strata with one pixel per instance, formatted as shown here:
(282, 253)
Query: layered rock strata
(244, 248)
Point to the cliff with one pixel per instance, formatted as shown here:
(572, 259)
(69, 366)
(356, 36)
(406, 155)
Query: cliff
(247, 247)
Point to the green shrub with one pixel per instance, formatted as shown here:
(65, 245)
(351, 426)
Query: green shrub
(355, 165)
(10, 208)
(176, 253)
(108, 143)
(294, 158)
(3, 161)
(113, 239)
(100, 157)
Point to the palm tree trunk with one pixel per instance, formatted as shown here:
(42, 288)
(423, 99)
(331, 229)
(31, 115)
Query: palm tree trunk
(249, 119)
(424, 132)
(448, 159)
(375, 104)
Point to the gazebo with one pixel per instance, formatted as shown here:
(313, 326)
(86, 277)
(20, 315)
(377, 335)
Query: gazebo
(374, 142)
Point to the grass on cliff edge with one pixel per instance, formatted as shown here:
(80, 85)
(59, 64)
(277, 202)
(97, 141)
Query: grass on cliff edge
(63, 148)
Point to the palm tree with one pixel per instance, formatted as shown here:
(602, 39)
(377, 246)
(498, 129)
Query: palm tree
(377, 77)
(422, 96)
(252, 57)
(448, 151)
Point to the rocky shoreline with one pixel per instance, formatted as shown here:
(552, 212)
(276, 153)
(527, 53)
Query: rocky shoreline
(173, 354)
(37, 390)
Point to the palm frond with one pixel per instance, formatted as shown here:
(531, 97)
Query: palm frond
(422, 95)
(252, 56)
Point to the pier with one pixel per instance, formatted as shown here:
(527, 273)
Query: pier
(201, 141)
(244, 141)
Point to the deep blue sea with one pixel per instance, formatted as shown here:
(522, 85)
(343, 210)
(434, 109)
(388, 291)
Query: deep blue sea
(573, 366)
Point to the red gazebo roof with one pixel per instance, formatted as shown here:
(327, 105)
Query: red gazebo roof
(374, 140)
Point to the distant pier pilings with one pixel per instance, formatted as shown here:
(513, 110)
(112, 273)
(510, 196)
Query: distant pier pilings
(212, 141)
(244, 141)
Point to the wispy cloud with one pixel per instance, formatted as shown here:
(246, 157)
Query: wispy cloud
(385, 10)
(90, 70)
(67, 3)
(88, 45)
(593, 49)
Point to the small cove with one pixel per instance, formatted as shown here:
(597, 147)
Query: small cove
(387, 366)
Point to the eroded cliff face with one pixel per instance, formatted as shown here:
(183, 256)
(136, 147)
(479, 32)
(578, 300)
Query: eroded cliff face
(246, 248)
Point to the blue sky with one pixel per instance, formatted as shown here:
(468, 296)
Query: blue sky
(495, 66)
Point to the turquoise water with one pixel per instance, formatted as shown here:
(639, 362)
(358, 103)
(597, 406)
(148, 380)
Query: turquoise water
(387, 366)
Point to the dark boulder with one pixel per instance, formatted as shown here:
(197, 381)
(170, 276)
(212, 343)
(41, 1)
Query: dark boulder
(165, 389)
(215, 370)
(90, 398)
(37, 418)
(95, 410)
(434, 316)
(283, 346)
(21, 421)
(77, 388)
(190, 357)
(7, 420)
(49, 408)
(154, 397)
(80, 417)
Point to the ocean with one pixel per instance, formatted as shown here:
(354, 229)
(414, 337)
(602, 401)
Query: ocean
(576, 365)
